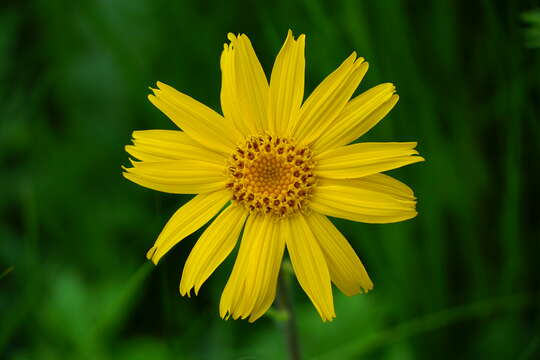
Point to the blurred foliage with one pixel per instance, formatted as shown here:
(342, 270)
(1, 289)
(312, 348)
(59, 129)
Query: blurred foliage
(459, 281)
(532, 34)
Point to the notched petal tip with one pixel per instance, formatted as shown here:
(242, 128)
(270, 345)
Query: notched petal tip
(389, 87)
(365, 288)
(156, 90)
(299, 39)
(152, 97)
(360, 61)
(162, 86)
(184, 291)
(133, 163)
(364, 65)
(150, 254)
(327, 316)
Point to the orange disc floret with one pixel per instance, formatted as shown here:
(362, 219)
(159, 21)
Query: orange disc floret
(271, 175)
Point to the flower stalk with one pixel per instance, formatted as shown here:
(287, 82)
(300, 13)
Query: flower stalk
(285, 304)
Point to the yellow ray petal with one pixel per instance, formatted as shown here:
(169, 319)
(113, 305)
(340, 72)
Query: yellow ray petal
(162, 145)
(214, 245)
(229, 98)
(244, 93)
(177, 176)
(382, 183)
(309, 265)
(358, 117)
(287, 85)
(268, 293)
(254, 277)
(186, 220)
(328, 100)
(346, 269)
(362, 159)
(197, 120)
(372, 199)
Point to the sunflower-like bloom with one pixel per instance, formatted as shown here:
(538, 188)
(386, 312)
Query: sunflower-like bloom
(271, 170)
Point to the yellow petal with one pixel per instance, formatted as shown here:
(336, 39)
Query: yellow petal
(328, 100)
(244, 93)
(309, 265)
(177, 176)
(346, 269)
(252, 284)
(186, 220)
(287, 85)
(358, 117)
(372, 199)
(214, 245)
(229, 98)
(362, 159)
(382, 183)
(162, 145)
(268, 293)
(197, 120)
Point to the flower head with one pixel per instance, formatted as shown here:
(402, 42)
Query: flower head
(271, 169)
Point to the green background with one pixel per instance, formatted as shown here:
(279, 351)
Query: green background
(459, 281)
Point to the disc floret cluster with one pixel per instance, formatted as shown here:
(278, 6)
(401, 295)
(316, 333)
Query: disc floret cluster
(271, 175)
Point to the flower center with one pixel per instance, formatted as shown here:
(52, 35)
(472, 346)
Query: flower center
(271, 175)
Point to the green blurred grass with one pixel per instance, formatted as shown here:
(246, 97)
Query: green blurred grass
(459, 281)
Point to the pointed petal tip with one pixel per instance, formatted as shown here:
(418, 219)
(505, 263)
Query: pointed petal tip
(418, 159)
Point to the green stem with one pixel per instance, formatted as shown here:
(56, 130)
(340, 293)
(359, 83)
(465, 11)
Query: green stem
(289, 328)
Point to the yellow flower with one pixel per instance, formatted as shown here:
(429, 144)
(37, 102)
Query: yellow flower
(273, 169)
